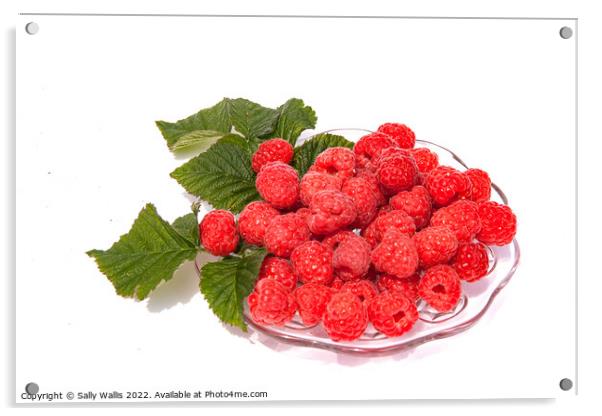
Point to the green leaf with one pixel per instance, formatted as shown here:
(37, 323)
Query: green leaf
(251, 119)
(188, 227)
(306, 154)
(227, 283)
(200, 129)
(295, 117)
(222, 175)
(149, 253)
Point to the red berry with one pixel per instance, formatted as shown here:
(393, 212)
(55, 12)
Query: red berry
(218, 232)
(253, 221)
(396, 173)
(435, 245)
(280, 270)
(396, 254)
(271, 303)
(372, 180)
(364, 199)
(370, 233)
(498, 223)
(312, 261)
(314, 182)
(351, 258)
(273, 150)
(334, 240)
(446, 184)
(461, 217)
(416, 203)
(481, 185)
(278, 184)
(337, 283)
(312, 299)
(440, 287)
(407, 286)
(390, 151)
(284, 233)
(338, 161)
(330, 212)
(303, 213)
(345, 318)
(425, 159)
(363, 289)
(370, 145)
(394, 219)
(471, 262)
(392, 313)
(402, 134)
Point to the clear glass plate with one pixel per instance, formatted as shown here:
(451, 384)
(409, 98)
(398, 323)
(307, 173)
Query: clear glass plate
(476, 299)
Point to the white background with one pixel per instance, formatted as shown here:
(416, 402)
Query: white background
(481, 326)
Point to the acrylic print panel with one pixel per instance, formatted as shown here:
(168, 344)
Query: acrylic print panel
(499, 93)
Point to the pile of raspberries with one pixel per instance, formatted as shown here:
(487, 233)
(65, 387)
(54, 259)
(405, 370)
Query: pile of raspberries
(363, 235)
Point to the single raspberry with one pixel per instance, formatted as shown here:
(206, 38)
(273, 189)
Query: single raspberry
(446, 184)
(218, 232)
(396, 254)
(363, 289)
(402, 134)
(337, 283)
(284, 233)
(312, 262)
(330, 212)
(390, 151)
(278, 184)
(498, 223)
(426, 160)
(273, 150)
(338, 161)
(372, 180)
(280, 270)
(312, 299)
(435, 245)
(345, 318)
(370, 145)
(271, 303)
(480, 185)
(364, 199)
(351, 259)
(461, 217)
(314, 182)
(392, 313)
(253, 221)
(407, 286)
(396, 173)
(397, 219)
(416, 203)
(471, 262)
(440, 287)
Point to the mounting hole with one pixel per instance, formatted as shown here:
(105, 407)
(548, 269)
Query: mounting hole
(566, 384)
(566, 32)
(32, 28)
(32, 389)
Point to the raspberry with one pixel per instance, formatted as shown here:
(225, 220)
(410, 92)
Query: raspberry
(273, 150)
(440, 287)
(394, 219)
(461, 217)
(481, 185)
(280, 270)
(407, 286)
(471, 262)
(396, 173)
(271, 303)
(278, 184)
(284, 233)
(345, 318)
(402, 134)
(390, 151)
(416, 203)
(435, 245)
(446, 184)
(218, 232)
(392, 313)
(337, 283)
(330, 211)
(425, 159)
(312, 299)
(371, 233)
(312, 261)
(498, 223)
(314, 182)
(372, 180)
(370, 145)
(303, 213)
(253, 221)
(338, 161)
(364, 199)
(351, 258)
(363, 289)
(396, 254)
(334, 240)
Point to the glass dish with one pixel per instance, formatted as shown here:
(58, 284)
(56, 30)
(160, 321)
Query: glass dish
(475, 302)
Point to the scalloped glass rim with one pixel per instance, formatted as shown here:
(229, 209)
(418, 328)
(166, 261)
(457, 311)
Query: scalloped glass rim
(431, 325)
